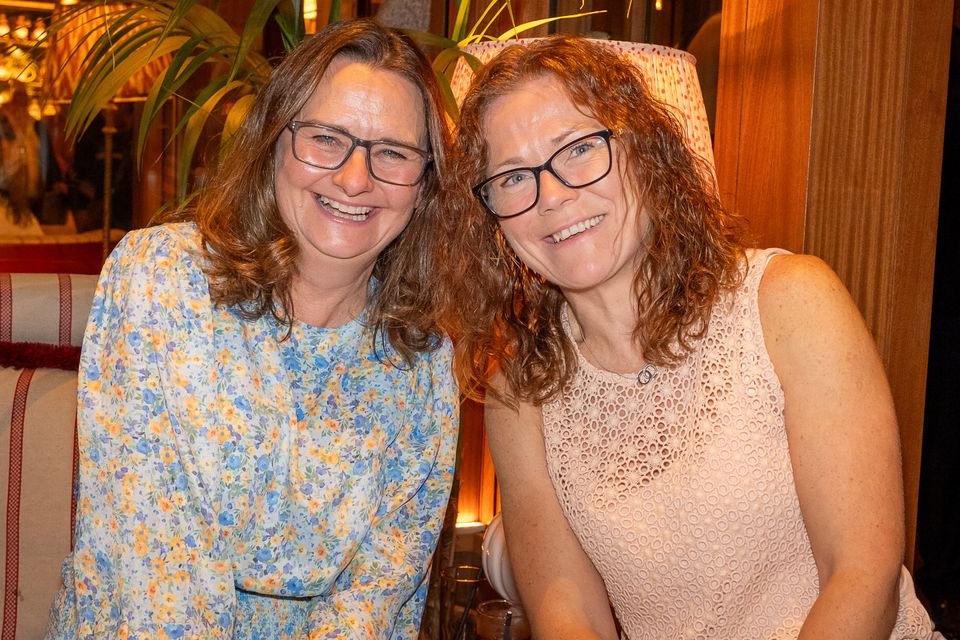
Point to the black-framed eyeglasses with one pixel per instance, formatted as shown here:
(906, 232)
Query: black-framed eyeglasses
(577, 164)
(326, 147)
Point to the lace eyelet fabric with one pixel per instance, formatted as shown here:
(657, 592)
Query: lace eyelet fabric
(682, 494)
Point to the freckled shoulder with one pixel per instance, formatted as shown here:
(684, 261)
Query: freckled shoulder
(798, 289)
(810, 322)
(797, 275)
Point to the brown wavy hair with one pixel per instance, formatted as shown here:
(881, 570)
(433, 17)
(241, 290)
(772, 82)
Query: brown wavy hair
(506, 315)
(251, 253)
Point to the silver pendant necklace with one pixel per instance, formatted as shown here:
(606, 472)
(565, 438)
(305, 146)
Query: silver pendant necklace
(646, 374)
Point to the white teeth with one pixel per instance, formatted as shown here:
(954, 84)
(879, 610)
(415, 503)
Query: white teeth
(345, 211)
(580, 227)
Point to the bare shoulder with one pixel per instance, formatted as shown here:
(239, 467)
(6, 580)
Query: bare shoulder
(793, 278)
(508, 409)
(818, 343)
(800, 295)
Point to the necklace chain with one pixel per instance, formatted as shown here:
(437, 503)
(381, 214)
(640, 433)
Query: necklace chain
(643, 376)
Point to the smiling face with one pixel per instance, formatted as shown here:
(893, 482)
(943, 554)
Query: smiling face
(582, 240)
(343, 218)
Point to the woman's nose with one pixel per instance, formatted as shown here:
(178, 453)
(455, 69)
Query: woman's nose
(553, 193)
(353, 176)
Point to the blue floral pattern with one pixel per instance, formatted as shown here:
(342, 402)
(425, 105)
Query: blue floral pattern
(234, 483)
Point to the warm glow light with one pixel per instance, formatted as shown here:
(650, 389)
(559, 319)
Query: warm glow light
(658, 5)
(470, 527)
(309, 9)
(22, 30)
(39, 30)
(67, 3)
(17, 50)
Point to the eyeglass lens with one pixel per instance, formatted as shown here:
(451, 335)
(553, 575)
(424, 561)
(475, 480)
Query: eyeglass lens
(578, 164)
(328, 148)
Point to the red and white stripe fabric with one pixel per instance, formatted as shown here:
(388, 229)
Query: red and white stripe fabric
(38, 454)
(45, 307)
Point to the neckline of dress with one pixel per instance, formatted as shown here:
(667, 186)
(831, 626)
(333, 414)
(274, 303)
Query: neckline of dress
(310, 330)
(627, 379)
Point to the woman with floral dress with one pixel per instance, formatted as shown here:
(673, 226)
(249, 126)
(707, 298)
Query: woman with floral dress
(267, 419)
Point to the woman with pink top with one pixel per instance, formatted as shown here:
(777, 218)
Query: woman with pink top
(697, 433)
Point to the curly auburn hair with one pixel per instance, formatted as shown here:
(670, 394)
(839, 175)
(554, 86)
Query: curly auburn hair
(251, 253)
(506, 315)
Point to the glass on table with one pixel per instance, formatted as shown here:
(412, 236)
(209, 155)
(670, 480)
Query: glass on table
(459, 585)
(502, 620)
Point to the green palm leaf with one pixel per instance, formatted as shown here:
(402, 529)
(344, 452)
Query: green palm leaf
(193, 123)
(290, 20)
(473, 36)
(166, 87)
(197, 41)
(91, 99)
(252, 29)
(460, 24)
(449, 100)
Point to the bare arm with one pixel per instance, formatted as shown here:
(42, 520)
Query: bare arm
(844, 446)
(561, 590)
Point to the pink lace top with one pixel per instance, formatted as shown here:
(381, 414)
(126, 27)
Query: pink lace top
(682, 494)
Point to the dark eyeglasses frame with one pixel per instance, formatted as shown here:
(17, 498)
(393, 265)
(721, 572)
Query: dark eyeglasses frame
(547, 166)
(295, 125)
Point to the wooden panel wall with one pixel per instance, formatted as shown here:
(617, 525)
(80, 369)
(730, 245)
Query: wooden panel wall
(875, 171)
(478, 499)
(829, 140)
(523, 11)
(764, 107)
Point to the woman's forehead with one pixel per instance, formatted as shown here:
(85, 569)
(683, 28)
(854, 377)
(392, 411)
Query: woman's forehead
(368, 101)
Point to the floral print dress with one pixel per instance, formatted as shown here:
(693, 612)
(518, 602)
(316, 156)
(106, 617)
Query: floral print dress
(233, 483)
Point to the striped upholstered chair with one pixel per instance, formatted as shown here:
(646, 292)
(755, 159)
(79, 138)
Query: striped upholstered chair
(42, 317)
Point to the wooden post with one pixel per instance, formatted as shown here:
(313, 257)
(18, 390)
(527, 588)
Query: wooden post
(109, 130)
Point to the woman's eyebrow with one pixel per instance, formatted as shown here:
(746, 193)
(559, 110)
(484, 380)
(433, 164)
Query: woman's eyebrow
(318, 123)
(557, 141)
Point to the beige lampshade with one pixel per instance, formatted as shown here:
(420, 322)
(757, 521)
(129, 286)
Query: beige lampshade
(670, 74)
